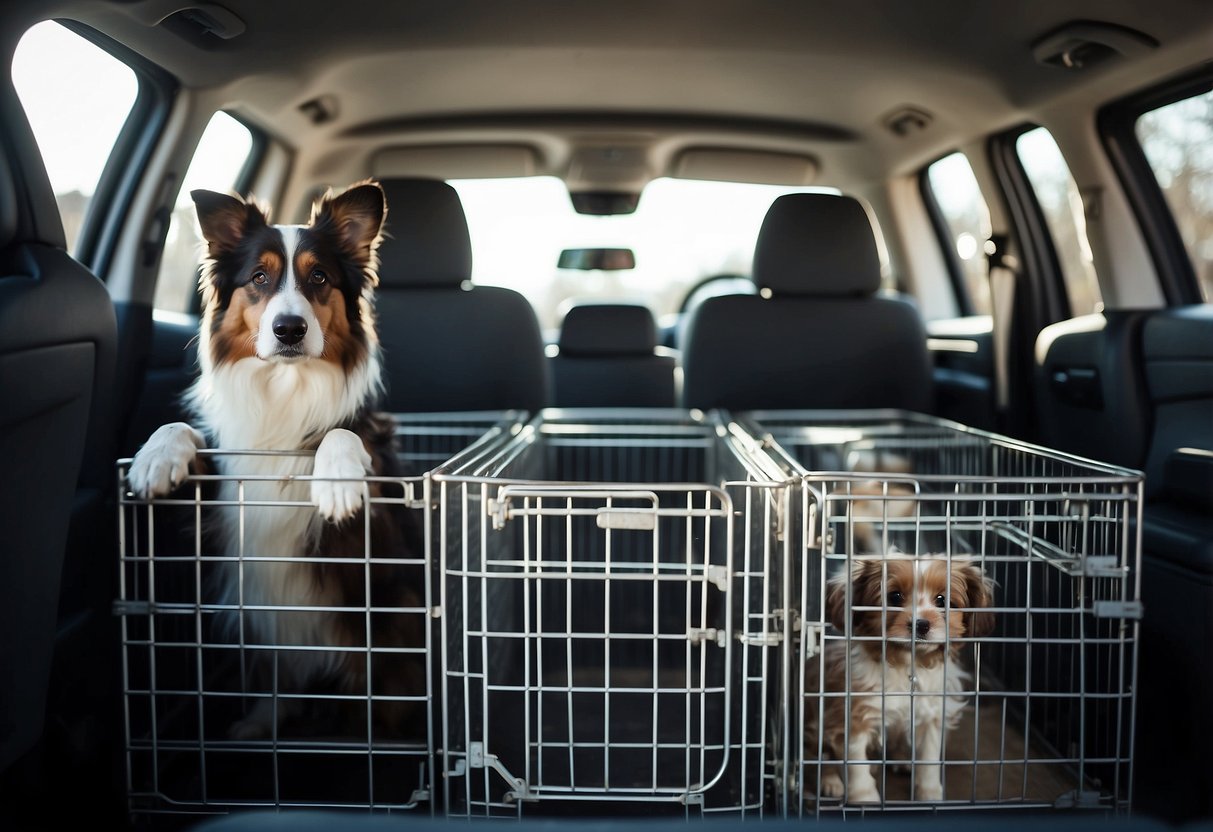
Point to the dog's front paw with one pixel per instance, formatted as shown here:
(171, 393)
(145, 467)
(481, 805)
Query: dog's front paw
(863, 793)
(164, 460)
(925, 789)
(341, 462)
(831, 784)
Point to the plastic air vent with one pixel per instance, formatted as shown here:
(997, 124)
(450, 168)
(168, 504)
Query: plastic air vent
(1081, 44)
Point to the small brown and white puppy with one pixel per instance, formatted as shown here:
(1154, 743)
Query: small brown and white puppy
(902, 619)
(290, 361)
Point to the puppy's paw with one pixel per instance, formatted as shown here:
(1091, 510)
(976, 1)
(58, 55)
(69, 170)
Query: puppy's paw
(831, 784)
(341, 462)
(925, 789)
(863, 793)
(164, 460)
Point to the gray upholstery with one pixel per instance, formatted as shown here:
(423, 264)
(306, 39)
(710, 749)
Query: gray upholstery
(608, 358)
(57, 342)
(825, 338)
(448, 345)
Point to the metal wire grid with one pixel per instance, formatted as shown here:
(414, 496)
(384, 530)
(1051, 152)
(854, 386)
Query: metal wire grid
(1048, 714)
(591, 594)
(193, 668)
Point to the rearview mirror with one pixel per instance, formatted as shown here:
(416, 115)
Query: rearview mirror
(589, 259)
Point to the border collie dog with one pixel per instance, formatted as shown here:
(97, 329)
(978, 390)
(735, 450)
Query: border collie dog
(290, 362)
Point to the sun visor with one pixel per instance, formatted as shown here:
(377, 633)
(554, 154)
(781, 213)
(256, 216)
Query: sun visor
(759, 166)
(470, 161)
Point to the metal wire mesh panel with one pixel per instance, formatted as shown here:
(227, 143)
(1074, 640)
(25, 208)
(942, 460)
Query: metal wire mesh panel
(969, 618)
(604, 639)
(257, 676)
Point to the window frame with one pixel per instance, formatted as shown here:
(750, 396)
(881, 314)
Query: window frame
(1116, 124)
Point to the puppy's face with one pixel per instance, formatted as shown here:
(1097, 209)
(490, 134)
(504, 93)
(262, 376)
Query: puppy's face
(290, 293)
(919, 602)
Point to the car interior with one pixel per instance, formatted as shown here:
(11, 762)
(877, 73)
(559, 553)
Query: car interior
(699, 232)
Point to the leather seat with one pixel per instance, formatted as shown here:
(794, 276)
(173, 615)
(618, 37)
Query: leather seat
(57, 346)
(608, 358)
(819, 334)
(449, 346)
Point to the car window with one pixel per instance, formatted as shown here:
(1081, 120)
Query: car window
(681, 232)
(967, 220)
(1059, 200)
(1178, 143)
(77, 98)
(222, 152)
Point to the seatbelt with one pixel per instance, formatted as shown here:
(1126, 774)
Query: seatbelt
(1002, 274)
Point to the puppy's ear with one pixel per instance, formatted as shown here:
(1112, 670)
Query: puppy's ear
(980, 594)
(355, 216)
(859, 578)
(836, 601)
(225, 220)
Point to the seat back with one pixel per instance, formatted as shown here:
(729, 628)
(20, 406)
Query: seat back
(608, 358)
(819, 334)
(57, 342)
(448, 345)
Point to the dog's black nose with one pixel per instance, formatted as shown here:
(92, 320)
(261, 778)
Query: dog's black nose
(290, 329)
(921, 627)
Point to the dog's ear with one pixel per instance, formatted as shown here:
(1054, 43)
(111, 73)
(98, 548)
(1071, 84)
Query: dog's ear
(355, 216)
(225, 219)
(836, 601)
(859, 578)
(980, 595)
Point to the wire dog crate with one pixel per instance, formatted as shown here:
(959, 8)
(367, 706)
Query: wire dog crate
(1037, 712)
(607, 629)
(199, 669)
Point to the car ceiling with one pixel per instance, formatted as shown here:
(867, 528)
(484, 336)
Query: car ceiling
(816, 77)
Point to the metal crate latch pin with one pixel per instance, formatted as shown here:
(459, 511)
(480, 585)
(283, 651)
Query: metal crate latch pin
(478, 759)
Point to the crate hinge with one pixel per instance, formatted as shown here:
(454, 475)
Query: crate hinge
(718, 575)
(698, 635)
(770, 638)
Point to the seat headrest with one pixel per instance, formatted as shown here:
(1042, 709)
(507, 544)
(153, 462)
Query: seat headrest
(816, 244)
(425, 241)
(608, 329)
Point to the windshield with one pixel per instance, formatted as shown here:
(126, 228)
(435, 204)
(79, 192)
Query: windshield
(681, 232)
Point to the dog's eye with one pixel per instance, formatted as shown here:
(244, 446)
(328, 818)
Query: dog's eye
(941, 601)
(895, 599)
(260, 278)
(318, 277)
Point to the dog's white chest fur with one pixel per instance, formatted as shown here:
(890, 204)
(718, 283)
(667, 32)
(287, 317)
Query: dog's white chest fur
(923, 695)
(254, 405)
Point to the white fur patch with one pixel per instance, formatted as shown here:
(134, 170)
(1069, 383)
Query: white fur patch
(164, 460)
(288, 300)
(342, 457)
(258, 405)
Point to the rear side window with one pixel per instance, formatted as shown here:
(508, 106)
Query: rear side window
(1178, 143)
(221, 157)
(966, 219)
(1059, 200)
(77, 98)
